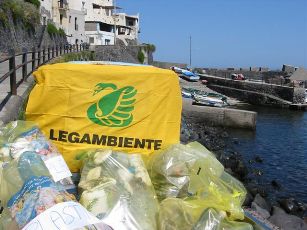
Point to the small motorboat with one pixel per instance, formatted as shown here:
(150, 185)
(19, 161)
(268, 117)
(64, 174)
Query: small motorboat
(210, 99)
(185, 74)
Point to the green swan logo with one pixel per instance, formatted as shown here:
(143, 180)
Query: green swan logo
(113, 109)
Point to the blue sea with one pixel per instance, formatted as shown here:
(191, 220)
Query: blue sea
(280, 140)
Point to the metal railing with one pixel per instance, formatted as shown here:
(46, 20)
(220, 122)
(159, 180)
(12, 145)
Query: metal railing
(38, 57)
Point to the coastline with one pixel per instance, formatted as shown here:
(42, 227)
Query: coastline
(281, 212)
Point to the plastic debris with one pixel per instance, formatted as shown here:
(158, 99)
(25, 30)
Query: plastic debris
(117, 189)
(192, 173)
(176, 214)
(19, 137)
(27, 190)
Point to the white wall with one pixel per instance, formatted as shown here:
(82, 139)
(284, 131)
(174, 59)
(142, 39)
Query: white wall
(46, 11)
(72, 33)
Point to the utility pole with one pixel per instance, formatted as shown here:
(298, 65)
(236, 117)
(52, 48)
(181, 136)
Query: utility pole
(190, 51)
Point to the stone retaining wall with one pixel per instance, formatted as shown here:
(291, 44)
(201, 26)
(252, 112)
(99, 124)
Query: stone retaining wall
(289, 94)
(20, 37)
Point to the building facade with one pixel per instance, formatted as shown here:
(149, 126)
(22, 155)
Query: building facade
(90, 21)
(101, 20)
(45, 11)
(69, 15)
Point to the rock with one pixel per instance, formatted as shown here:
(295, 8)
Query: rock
(248, 200)
(258, 172)
(258, 159)
(289, 205)
(275, 185)
(241, 170)
(292, 206)
(262, 203)
(236, 141)
(261, 211)
(285, 221)
(277, 211)
(254, 189)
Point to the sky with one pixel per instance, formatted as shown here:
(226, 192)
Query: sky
(224, 33)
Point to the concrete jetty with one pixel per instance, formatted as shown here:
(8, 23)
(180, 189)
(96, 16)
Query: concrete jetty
(225, 117)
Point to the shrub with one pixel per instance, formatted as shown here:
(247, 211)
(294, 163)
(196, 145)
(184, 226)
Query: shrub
(150, 48)
(3, 17)
(141, 56)
(52, 30)
(31, 15)
(62, 32)
(16, 7)
(25, 12)
(34, 2)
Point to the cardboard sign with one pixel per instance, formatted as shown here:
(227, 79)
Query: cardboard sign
(136, 109)
(66, 215)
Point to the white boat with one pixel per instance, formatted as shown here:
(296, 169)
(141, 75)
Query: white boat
(210, 99)
(185, 74)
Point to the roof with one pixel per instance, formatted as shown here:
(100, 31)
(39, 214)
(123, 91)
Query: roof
(300, 74)
(106, 7)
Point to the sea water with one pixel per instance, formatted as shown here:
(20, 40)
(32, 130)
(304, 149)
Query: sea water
(280, 140)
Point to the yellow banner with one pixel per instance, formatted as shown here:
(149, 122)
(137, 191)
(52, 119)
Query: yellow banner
(136, 109)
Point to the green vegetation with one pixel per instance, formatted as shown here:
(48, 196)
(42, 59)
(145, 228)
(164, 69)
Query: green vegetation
(84, 55)
(3, 18)
(34, 2)
(141, 56)
(52, 30)
(150, 47)
(62, 32)
(25, 12)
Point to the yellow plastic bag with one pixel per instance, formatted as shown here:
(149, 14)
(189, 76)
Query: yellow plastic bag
(192, 173)
(136, 109)
(176, 214)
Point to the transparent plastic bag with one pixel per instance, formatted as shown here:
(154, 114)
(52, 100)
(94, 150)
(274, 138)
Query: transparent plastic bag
(176, 214)
(21, 136)
(117, 189)
(192, 173)
(18, 137)
(29, 190)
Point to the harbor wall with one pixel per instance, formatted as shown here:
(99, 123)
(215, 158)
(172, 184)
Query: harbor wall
(283, 92)
(224, 117)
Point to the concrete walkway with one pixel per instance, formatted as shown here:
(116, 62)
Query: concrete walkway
(14, 103)
(5, 85)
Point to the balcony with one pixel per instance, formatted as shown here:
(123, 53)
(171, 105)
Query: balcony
(63, 5)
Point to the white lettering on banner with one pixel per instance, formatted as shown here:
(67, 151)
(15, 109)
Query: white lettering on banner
(58, 168)
(63, 216)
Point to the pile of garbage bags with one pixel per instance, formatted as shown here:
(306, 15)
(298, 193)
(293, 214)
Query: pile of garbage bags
(182, 187)
(116, 188)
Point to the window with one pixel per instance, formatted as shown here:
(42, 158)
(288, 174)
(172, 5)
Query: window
(107, 12)
(92, 40)
(61, 19)
(76, 25)
(90, 26)
(107, 41)
(69, 19)
(77, 41)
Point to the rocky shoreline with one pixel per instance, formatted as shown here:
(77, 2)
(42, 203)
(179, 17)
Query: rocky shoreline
(285, 213)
